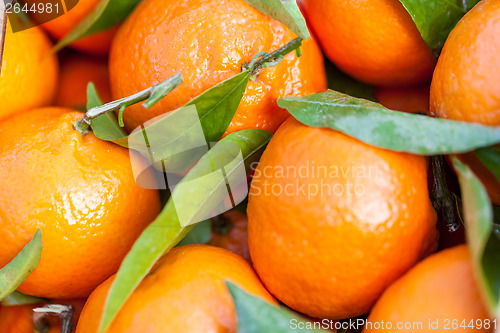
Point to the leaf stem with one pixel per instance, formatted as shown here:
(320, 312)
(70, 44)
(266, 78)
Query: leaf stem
(3, 30)
(152, 95)
(263, 60)
(443, 200)
(65, 312)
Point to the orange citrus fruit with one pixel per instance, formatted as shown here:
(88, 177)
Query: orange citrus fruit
(185, 292)
(76, 72)
(441, 291)
(81, 193)
(406, 99)
(17, 319)
(375, 41)
(465, 83)
(161, 41)
(333, 221)
(230, 231)
(97, 44)
(28, 77)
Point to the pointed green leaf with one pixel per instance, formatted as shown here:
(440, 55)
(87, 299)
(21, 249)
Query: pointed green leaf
(181, 137)
(105, 15)
(491, 158)
(483, 236)
(436, 18)
(18, 298)
(217, 105)
(378, 126)
(93, 98)
(15, 272)
(166, 231)
(105, 127)
(215, 109)
(285, 11)
(256, 315)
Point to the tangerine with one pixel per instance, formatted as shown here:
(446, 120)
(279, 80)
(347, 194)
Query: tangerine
(342, 220)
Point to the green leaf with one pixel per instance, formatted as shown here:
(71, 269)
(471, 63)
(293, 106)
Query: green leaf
(256, 315)
(201, 234)
(482, 235)
(378, 126)
(217, 105)
(491, 158)
(15, 272)
(166, 231)
(18, 298)
(178, 131)
(93, 98)
(436, 18)
(105, 127)
(285, 11)
(105, 15)
(177, 140)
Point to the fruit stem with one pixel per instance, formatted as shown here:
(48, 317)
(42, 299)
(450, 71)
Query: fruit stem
(152, 95)
(65, 312)
(3, 30)
(443, 200)
(263, 60)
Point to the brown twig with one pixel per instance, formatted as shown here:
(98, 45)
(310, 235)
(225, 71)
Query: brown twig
(3, 30)
(65, 312)
(443, 200)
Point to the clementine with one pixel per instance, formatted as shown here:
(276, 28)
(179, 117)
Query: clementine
(333, 221)
(375, 41)
(185, 292)
(464, 86)
(97, 44)
(439, 290)
(465, 82)
(81, 193)
(406, 99)
(208, 41)
(28, 77)
(76, 72)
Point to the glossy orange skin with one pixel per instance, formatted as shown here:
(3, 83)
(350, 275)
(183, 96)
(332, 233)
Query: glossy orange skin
(208, 41)
(16, 319)
(79, 191)
(97, 44)
(76, 72)
(471, 93)
(375, 41)
(185, 292)
(29, 74)
(441, 287)
(19, 318)
(330, 253)
(236, 238)
(409, 99)
(465, 84)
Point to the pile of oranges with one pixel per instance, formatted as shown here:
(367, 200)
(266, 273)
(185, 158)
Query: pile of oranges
(335, 229)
